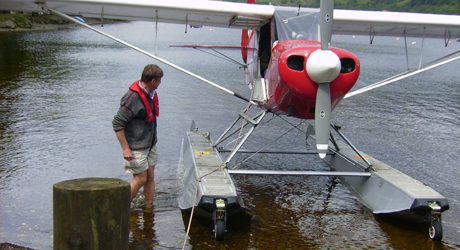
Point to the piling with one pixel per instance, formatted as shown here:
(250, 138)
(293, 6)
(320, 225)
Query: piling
(91, 213)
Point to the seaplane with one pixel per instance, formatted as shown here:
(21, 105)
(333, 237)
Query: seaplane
(291, 69)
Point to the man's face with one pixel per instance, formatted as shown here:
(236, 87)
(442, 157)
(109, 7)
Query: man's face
(153, 84)
(156, 83)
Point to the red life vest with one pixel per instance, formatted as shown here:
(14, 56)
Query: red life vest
(136, 88)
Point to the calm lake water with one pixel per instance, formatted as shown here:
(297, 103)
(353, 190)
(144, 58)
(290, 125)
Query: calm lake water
(60, 89)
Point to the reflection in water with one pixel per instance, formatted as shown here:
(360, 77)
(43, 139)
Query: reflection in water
(237, 236)
(11, 55)
(142, 231)
(14, 59)
(403, 231)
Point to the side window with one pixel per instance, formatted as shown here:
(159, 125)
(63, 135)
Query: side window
(264, 48)
(274, 34)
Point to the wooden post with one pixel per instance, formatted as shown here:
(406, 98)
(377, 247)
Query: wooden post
(91, 213)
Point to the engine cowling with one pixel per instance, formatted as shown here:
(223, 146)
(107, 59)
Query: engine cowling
(293, 72)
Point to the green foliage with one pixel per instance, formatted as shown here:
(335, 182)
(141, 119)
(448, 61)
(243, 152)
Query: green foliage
(27, 21)
(21, 21)
(423, 6)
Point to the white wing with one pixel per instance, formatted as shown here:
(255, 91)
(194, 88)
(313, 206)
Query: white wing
(242, 15)
(197, 12)
(396, 24)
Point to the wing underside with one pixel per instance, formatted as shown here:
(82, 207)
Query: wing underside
(380, 23)
(199, 12)
(252, 16)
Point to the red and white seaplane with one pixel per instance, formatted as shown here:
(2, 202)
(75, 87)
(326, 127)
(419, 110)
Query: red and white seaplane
(292, 70)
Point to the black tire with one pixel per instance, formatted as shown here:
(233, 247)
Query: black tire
(219, 230)
(435, 230)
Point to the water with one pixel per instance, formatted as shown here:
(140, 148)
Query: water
(60, 89)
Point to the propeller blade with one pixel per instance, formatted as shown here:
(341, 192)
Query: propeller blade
(327, 71)
(326, 15)
(322, 118)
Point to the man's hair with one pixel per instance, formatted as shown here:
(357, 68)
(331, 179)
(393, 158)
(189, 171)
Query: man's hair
(150, 72)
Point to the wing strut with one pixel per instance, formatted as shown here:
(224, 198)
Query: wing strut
(421, 49)
(148, 54)
(407, 54)
(156, 31)
(400, 76)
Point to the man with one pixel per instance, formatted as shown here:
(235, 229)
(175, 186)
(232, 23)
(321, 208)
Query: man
(135, 127)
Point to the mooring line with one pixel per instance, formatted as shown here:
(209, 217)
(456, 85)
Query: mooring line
(191, 215)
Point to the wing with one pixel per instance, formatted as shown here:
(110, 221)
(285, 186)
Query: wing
(382, 23)
(241, 15)
(198, 12)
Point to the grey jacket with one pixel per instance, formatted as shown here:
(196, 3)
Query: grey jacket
(132, 117)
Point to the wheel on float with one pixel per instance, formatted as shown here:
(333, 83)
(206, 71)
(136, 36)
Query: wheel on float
(219, 230)
(436, 230)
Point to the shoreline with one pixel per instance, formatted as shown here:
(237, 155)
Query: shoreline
(29, 22)
(9, 246)
(39, 27)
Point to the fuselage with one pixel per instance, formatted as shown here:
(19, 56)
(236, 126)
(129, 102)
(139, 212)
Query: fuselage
(280, 62)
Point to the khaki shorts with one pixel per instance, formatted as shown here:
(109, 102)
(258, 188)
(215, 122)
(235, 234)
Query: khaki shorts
(142, 159)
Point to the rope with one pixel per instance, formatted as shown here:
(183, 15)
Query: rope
(191, 216)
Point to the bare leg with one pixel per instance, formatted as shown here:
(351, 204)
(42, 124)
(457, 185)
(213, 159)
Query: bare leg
(138, 181)
(149, 187)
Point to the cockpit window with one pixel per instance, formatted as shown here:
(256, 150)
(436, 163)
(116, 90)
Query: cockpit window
(297, 23)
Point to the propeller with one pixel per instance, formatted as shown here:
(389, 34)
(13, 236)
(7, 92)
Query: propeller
(323, 66)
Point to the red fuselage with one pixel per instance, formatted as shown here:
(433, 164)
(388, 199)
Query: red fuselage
(287, 82)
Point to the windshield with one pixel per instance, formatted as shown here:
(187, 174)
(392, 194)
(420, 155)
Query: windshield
(296, 23)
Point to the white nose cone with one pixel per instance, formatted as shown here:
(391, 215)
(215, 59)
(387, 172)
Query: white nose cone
(323, 66)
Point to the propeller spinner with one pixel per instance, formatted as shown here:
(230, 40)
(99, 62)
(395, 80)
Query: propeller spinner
(323, 66)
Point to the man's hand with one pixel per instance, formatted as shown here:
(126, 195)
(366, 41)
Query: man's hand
(127, 154)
